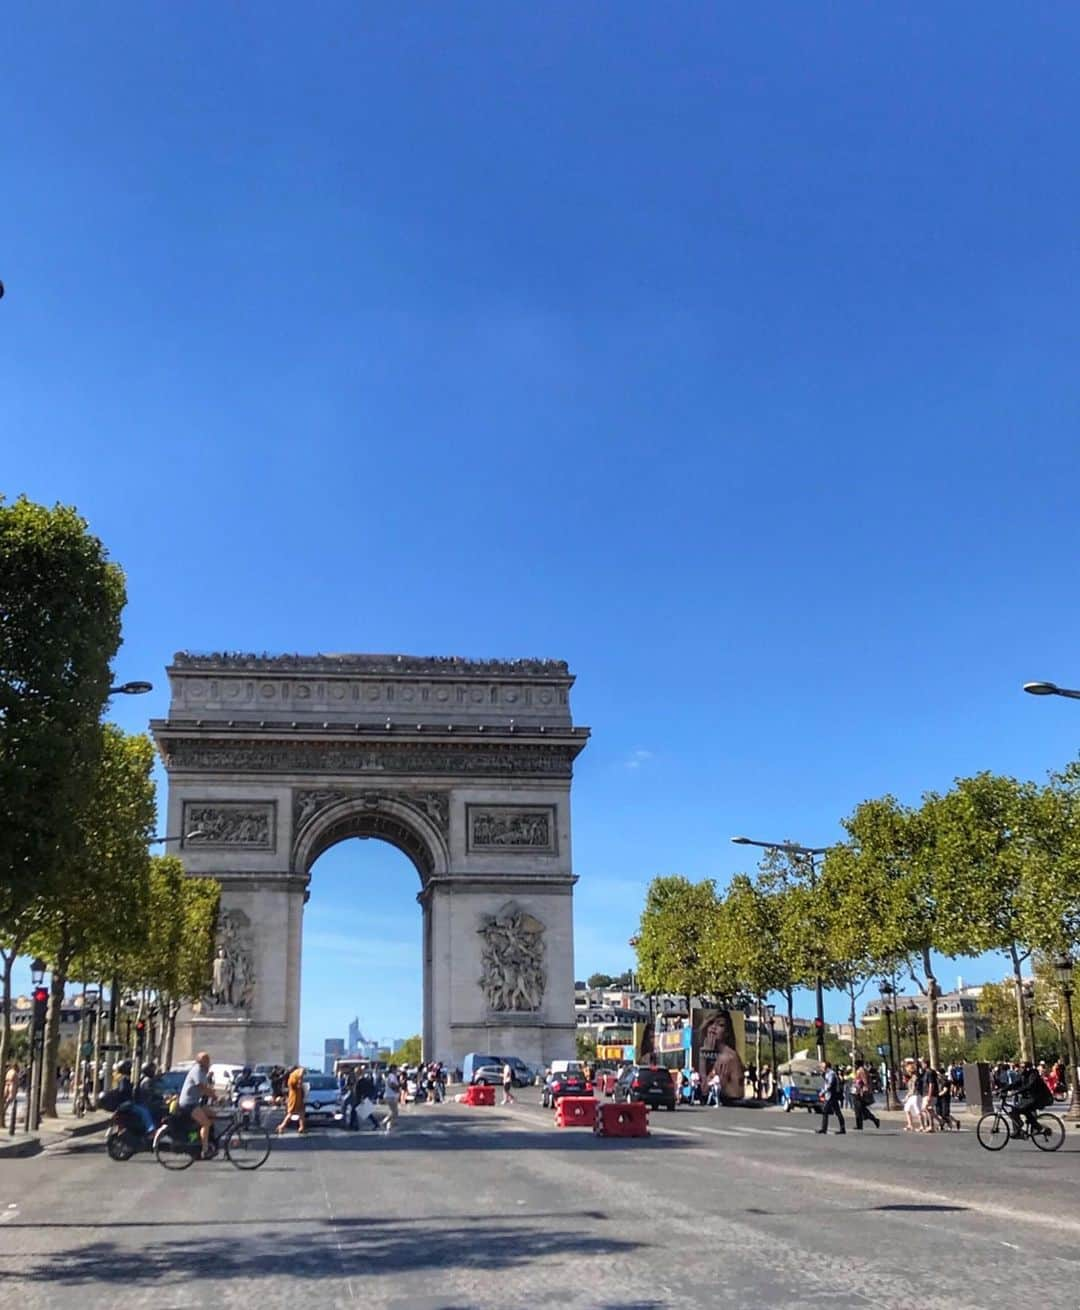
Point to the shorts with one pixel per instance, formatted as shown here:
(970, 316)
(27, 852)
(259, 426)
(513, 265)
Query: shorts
(913, 1104)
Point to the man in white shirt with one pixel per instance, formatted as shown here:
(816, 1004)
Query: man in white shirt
(192, 1092)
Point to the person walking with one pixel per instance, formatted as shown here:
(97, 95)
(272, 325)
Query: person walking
(912, 1099)
(392, 1093)
(508, 1085)
(931, 1090)
(294, 1105)
(831, 1092)
(862, 1098)
(11, 1087)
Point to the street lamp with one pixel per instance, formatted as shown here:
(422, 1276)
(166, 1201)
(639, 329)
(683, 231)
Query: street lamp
(810, 853)
(1063, 967)
(1027, 992)
(888, 991)
(770, 1010)
(183, 836)
(40, 996)
(131, 689)
(1050, 689)
(913, 1009)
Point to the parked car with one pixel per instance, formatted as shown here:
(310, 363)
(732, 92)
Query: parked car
(487, 1075)
(646, 1082)
(322, 1097)
(558, 1085)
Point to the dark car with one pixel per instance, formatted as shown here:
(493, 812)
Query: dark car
(646, 1082)
(558, 1085)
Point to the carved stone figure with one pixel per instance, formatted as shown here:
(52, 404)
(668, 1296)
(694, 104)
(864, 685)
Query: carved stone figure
(513, 958)
(233, 979)
(229, 824)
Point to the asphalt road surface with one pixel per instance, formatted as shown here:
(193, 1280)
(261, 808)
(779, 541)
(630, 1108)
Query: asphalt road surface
(463, 1208)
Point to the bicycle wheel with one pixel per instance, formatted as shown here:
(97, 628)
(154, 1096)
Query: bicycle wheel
(1050, 1134)
(992, 1131)
(172, 1151)
(247, 1145)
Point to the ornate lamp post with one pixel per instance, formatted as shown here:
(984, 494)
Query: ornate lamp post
(1063, 967)
(40, 994)
(888, 991)
(913, 1009)
(1028, 991)
(770, 1010)
(810, 854)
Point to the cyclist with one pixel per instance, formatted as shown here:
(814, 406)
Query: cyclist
(1031, 1095)
(195, 1087)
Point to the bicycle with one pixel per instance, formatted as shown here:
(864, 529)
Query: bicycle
(994, 1130)
(177, 1145)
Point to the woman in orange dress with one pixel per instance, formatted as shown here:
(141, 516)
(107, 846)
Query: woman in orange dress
(294, 1105)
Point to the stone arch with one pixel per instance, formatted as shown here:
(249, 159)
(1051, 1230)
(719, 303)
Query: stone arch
(390, 819)
(463, 765)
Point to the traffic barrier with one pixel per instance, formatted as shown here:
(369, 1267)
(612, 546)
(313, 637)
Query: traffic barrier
(575, 1112)
(478, 1094)
(627, 1119)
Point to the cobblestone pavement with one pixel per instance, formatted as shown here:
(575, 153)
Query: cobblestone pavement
(495, 1207)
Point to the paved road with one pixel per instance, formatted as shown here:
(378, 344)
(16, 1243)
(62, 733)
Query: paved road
(479, 1207)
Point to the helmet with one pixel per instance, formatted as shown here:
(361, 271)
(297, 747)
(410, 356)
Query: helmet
(247, 1071)
(124, 1067)
(149, 1069)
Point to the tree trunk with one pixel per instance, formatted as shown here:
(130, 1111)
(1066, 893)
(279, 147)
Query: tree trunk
(170, 1033)
(757, 1046)
(51, 1049)
(851, 1018)
(789, 997)
(8, 958)
(1026, 1053)
(933, 991)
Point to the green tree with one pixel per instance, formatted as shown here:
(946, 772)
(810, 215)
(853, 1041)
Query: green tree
(596, 980)
(747, 942)
(409, 1052)
(99, 910)
(981, 847)
(198, 910)
(585, 1046)
(60, 604)
(673, 946)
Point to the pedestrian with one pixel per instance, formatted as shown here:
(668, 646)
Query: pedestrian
(831, 1093)
(11, 1085)
(931, 1089)
(393, 1093)
(713, 1098)
(912, 1099)
(944, 1109)
(294, 1106)
(862, 1098)
(507, 1085)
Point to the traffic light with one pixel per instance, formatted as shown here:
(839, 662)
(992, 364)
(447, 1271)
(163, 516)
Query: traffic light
(819, 1032)
(140, 1036)
(41, 1002)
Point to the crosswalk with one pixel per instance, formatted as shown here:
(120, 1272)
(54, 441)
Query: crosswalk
(736, 1130)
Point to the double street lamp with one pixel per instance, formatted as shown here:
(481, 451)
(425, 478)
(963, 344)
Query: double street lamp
(913, 1009)
(810, 854)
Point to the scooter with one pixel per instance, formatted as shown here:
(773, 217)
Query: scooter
(127, 1133)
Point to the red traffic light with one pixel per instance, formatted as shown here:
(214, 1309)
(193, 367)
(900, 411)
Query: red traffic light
(140, 1026)
(41, 995)
(819, 1024)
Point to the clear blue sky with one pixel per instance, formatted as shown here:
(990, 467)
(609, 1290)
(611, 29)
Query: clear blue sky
(727, 352)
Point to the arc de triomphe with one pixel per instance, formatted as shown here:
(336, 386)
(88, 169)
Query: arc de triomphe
(463, 765)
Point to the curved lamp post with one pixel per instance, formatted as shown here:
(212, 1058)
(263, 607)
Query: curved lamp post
(131, 689)
(810, 853)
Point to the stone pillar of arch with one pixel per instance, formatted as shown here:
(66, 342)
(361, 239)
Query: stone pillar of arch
(465, 766)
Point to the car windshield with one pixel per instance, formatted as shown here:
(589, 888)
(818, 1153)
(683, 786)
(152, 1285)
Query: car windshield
(321, 1082)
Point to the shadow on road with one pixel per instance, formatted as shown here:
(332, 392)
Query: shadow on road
(329, 1248)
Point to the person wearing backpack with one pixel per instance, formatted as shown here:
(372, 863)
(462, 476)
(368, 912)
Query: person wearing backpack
(1032, 1095)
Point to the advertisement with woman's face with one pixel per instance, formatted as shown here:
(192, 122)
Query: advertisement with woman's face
(719, 1040)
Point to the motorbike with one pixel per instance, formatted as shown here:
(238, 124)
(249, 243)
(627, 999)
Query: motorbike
(127, 1133)
(249, 1106)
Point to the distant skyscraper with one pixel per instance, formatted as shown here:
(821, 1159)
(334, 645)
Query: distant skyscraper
(332, 1048)
(354, 1036)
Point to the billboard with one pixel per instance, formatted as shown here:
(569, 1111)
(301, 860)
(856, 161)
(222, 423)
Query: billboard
(719, 1043)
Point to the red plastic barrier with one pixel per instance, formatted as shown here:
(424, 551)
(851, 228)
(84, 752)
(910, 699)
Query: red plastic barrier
(627, 1119)
(575, 1112)
(479, 1095)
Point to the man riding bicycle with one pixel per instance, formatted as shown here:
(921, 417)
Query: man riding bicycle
(1031, 1096)
(194, 1089)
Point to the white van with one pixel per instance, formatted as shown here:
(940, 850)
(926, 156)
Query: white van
(567, 1066)
(223, 1076)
